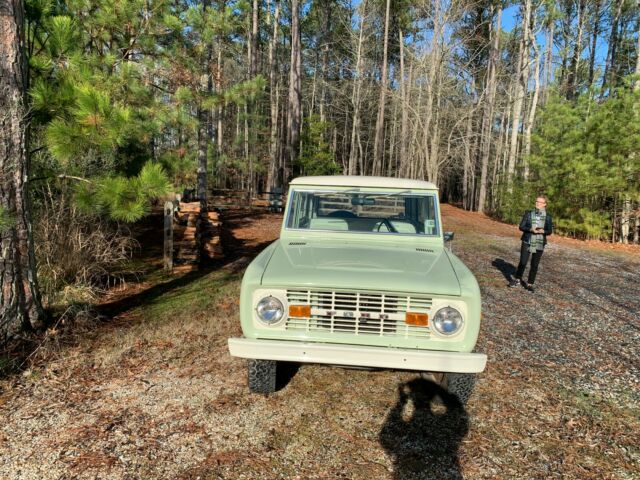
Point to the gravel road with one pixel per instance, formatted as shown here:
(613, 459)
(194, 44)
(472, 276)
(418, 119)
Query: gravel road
(136, 399)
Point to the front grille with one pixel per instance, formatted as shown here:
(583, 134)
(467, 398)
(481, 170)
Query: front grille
(358, 313)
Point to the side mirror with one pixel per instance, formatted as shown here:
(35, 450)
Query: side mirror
(448, 238)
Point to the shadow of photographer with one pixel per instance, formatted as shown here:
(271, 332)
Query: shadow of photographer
(507, 269)
(423, 431)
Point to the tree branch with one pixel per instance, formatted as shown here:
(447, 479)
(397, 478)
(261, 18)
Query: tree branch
(62, 176)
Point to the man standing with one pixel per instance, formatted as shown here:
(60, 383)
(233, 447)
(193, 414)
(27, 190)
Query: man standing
(536, 224)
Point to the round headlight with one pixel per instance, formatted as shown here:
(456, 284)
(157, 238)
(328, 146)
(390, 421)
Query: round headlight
(270, 310)
(447, 321)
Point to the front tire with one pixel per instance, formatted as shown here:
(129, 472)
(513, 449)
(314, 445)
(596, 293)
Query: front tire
(459, 384)
(261, 376)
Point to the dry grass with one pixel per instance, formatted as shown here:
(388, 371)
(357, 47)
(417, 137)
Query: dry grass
(79, 255)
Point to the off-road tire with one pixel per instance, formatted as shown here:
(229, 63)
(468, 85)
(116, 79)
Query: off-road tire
(459, 384)
(261, 376)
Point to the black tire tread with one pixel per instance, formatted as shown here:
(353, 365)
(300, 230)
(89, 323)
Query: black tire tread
(261, 376)
(461, 385)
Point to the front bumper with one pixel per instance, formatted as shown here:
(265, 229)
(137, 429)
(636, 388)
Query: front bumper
(356, 355)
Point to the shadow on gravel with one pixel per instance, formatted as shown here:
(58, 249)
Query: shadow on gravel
(507, 269)
(285, 373)
(422, 435)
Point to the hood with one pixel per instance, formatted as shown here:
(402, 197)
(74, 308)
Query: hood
(361, 267)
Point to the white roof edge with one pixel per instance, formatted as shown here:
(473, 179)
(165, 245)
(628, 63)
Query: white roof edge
(363, 181)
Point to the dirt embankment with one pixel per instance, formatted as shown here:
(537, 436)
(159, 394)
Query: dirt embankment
(151, 391)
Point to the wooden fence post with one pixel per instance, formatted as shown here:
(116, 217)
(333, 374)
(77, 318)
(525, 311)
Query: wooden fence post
(168, 236)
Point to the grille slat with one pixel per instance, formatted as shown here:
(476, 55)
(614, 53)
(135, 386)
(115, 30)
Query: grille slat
(359, 313)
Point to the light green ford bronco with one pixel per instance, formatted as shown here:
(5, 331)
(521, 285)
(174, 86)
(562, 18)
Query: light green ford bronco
(361, 277)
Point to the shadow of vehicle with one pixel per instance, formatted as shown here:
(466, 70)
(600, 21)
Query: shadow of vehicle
(285, 373)
(422, 435)
(507, 269)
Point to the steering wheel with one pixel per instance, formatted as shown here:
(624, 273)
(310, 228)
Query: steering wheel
(387, 223)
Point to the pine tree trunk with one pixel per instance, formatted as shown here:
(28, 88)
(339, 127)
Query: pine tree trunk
(20, 305)
(250, 107)
(567, 35)
(577, 49)
(433, 167)
(548, 59)
(495, 172)
(467, 172)
(637, 72)
(323, 65)
(487, 120)
(204, 124)
(220, 109)
(625, 219)
(253, 57)
(274, 162)
(378, 150)
(522, 77)
(532, 108)
(404, 123)
(355, 148)
(430, 169)
(594, 40)
(636, 87)
(393, 144)
(610, 64)
(294, 116)
(203, 140)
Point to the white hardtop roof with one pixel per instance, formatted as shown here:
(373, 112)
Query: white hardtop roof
(361, 181)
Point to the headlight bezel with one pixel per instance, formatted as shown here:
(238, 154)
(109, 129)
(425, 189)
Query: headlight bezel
(264, 294)
(436, 321)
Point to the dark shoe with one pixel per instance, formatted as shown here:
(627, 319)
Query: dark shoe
(529, 286)
(514, 282)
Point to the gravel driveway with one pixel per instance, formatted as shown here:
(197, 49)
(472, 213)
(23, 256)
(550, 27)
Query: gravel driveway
(153, 392)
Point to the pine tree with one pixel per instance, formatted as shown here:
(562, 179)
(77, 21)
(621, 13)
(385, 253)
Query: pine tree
(20, 306)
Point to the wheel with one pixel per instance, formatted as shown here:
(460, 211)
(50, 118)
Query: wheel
(459, 384)
(261, 376)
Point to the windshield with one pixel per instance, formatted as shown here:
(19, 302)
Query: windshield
(398, 213)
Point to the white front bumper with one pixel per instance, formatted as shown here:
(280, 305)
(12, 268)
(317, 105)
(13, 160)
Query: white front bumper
(356, 355)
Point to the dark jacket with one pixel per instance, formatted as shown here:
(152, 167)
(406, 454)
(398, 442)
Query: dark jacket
(525, 226)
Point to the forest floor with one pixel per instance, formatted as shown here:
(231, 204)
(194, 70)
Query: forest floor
(149, 390)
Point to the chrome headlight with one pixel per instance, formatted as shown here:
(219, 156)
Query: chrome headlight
(270, 310)
(448, 321)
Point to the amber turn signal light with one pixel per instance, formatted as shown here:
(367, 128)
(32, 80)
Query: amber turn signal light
(300, 311)
(419, 319)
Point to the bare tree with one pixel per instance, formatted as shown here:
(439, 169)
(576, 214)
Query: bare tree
(614, 36)
(378, 151)
(355, 151)
(522, 76)
(577, 50)
(596, 19)
(529, 121)
(487, 119)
